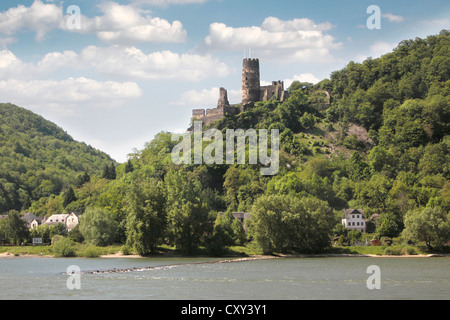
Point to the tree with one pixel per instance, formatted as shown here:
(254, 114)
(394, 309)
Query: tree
(430, 225)
(129, 167)
(187, 212)
(282, 223)
(98, 227)
(83, 178)
(388, 226)
(146, 216)
(222, 235)
(15, 228)
(69, 197)
(109, 172)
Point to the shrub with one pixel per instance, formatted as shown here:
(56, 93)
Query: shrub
(126, 250)
(64, 248)
(409, 251)
(392, 251)
(91, 252)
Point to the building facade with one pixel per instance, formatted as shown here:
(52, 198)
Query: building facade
(354, 219)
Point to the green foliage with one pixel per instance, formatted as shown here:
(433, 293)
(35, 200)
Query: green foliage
(64, 247)
(47, 232)
(146, 216)
(187, 212)
(39, 159)
(430, 225)
(284, 223)
(14, 228)
(69, 197)
(98, 227)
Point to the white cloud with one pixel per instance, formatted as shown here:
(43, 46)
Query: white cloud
(377, 49)
(118, 61)
(165, 3)
(39, 17)
(125, 24)
(380, 47)
(392, 18)
(119, 24)
(206, 98)
(13, 67)
(68, 96)
(304, 77)
(292, 40)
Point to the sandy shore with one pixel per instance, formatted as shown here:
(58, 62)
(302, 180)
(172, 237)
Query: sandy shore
(236, 259)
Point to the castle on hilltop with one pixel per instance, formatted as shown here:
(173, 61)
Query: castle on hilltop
(252, 91)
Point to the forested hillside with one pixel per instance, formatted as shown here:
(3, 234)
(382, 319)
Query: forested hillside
(39, 159)
(374, 136)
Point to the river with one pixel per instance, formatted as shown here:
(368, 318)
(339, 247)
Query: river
(199, 279)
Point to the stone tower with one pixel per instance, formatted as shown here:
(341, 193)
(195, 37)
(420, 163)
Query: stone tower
(250, 81)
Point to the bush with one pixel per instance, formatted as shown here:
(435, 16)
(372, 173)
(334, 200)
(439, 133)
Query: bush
(409, 251)
(126, 250)
(91, 252)
(64, 248)
(392, 251)
(56, 238)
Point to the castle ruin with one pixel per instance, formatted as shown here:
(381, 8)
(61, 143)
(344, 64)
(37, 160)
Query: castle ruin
(252, 91)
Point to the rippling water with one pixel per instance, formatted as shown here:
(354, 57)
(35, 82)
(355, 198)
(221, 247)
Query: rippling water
(274, 279)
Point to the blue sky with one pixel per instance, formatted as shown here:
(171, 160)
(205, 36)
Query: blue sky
(134, 68)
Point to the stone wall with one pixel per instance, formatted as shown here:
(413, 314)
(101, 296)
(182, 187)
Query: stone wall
(252, 91)
(250, 81)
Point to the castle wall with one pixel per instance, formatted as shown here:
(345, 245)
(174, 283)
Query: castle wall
(252, 91)
(275, 90)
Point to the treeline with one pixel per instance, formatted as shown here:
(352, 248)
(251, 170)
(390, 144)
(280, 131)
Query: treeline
(398, 173)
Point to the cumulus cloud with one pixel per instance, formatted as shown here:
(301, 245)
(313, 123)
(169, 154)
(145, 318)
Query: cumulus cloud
(124, 24)
(292, 40)
(206, 98)
(134, 63)
(28, 84)
(13, 67)
(303, 77)
(39, 17)
(118, 24)
(380, 47)
(69, 95)
(117, 62)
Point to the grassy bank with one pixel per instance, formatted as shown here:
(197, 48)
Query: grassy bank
(80, 250)
(89, 251)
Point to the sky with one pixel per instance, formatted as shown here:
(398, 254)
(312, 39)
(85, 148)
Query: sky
(113, 74)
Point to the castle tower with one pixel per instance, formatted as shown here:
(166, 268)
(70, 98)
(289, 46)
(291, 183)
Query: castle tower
(250, 81)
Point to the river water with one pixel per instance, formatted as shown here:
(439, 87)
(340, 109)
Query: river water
(199, 279)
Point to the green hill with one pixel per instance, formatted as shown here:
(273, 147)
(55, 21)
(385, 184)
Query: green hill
(39, 159)
(375, 136)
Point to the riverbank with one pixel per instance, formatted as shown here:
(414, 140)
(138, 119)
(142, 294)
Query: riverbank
(119, 255)
(115, 251)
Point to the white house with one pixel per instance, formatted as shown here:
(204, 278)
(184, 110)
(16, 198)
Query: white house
(354, 219)
(70, 220)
